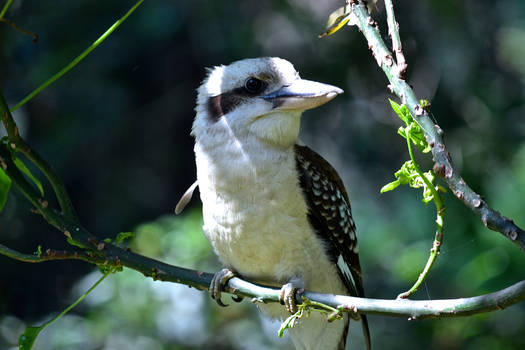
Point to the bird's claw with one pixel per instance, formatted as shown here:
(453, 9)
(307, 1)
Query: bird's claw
(218, 281)
(287, 296)
(237, 298)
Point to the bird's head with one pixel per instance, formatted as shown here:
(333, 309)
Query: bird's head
(260, 97)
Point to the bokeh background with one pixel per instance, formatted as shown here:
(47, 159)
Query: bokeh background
(116, 129)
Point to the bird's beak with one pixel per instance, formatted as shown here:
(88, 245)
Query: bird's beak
(302, 95)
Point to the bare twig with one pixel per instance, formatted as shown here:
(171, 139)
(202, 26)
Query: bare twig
(20, 29)
(443, 166)
(393, 31)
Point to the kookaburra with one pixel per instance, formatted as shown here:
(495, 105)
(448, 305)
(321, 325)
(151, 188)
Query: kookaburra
(275, 211)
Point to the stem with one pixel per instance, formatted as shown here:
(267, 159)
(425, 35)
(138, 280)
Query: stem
(78, 58)
(393, 30)
(438, 239)
(18, 144)
(20, 29)
(50, 255)
(76, 301)
(5, 8)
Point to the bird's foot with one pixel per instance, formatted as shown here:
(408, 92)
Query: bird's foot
(288, 293)
(218, 281)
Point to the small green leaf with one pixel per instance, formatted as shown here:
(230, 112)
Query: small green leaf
(38, 252)
(288, 323)
(5, 185)
(26, 340)
(74, 243)
(418, 138)
(122, 236)
(390, 186)
(402, 112)
(24, 169)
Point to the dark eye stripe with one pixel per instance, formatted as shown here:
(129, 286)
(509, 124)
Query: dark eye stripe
(227, 101)
(223, 104)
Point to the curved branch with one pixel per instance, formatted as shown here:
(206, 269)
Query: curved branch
(17, 143)
(50, 255)
(413, 309)
(443, 166)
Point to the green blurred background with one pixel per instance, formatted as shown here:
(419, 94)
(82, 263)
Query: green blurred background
(116, 129)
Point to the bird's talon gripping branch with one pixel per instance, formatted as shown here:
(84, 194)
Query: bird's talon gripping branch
(287, 296)
(218, 281)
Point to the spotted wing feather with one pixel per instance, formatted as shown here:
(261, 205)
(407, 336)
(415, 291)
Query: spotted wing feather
(331, 217)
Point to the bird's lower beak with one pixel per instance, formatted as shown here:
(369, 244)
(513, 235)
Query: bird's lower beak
(302, 95)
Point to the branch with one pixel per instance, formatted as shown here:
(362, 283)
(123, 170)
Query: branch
(50, 255)
(443, 166)
(413, 309)
(18, 144)
(393, 30)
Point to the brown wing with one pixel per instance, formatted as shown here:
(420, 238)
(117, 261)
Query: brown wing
(331, 217)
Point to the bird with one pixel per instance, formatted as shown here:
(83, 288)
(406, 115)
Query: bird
(275, 211)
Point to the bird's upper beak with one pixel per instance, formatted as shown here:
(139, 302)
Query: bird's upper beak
(302, 95)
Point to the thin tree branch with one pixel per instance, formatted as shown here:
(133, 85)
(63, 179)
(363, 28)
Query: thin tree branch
(18, 144)
(50, 255)
(20, 29)
(443, 166)
(413, 309)
(393, 31)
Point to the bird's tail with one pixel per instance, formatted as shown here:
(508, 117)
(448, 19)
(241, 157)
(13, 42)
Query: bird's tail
(366, 332)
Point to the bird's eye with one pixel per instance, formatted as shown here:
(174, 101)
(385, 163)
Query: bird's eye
(253, 85)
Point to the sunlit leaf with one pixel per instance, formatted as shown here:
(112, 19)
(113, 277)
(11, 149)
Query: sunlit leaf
(24, 169)
(390, 186)
(336, 21)
(402, 112)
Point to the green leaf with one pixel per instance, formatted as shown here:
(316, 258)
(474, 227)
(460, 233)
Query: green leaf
(26, 340)
(5, 185)
(412, 128)
(38, 252)
(402, 112)
(74, 243)
(122, 236)
(24, 169)
(418, 138)
(390, 186)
